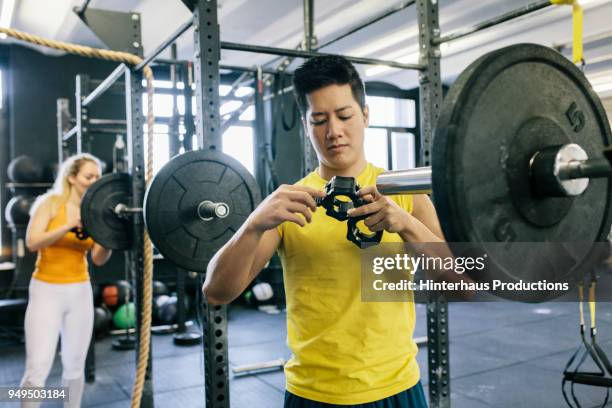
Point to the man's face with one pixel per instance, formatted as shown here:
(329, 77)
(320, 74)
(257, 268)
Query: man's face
(336, 124)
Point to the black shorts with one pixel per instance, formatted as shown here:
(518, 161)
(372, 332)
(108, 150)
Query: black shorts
(411, 398)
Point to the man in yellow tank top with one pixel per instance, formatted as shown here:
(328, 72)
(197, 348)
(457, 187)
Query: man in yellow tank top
(345, 351)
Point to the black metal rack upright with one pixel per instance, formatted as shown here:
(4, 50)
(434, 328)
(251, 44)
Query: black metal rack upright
(137, 166)
(430, 96)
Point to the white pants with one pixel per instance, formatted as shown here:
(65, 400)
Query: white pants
(55, 309)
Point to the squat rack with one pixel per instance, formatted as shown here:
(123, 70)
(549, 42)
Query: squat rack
(207, 51)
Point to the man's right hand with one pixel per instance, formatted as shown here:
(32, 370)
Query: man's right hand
(288, 203)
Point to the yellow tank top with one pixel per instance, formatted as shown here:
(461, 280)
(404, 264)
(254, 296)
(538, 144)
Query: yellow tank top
(65, 261)
(345, 351)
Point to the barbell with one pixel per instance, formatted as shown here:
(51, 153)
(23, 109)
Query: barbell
(194, 204)
(520, 154)
(517, 157)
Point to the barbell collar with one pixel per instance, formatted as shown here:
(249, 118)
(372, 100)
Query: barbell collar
(556, 171)
(207, 210)
(409, 181)
(122, 209)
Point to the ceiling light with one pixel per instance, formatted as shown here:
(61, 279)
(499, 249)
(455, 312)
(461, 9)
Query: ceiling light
(603, 87)
(601, 82)
(585, 2)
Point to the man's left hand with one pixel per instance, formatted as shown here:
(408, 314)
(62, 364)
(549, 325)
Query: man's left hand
(385, 214)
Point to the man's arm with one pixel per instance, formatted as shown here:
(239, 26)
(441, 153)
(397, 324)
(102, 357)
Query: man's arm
(422, 226)
(237, 263)
(427, 229)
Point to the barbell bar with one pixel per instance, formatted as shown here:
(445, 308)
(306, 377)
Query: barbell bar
(515, 158)
(556, 171)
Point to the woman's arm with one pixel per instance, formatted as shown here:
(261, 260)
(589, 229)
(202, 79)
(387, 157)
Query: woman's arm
(37, 236)
(100, 255)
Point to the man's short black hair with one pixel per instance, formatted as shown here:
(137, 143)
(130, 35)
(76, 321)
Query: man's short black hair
(319, 72)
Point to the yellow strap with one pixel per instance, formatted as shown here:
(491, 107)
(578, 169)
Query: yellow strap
(576, 27)
(592, 303)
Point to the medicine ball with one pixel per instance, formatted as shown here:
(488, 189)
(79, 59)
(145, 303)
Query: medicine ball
(158, 303)
(125, 316)
(102, 321)
(25, 169)
(259, 294)
(263, 291)
(165, 309)
(110, 295)
(17, 211)
(50, 172)
(159, 288)
(114, 295)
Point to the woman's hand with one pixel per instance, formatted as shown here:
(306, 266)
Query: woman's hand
(73, 217)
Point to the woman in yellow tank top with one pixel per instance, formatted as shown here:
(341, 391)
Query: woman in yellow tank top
(60, 295)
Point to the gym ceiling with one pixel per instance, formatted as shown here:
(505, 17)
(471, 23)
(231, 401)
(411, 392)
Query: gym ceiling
(278, 23)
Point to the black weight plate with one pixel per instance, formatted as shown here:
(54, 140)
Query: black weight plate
(171, 203)
(503, 108)
(98, 215)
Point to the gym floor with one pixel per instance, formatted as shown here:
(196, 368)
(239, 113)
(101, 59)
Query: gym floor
(502, 355)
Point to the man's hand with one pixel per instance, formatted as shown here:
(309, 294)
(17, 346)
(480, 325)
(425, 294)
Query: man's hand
(385, 214)
(288, 203)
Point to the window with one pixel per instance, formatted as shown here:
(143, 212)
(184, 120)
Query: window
(248, 114)
(403, 150)
(376, 147)
(237, 141)
(389, 141)
(229, 107)
(392, 112)
(161, 150)
(162, 104)
(161, 147)
(400, 152)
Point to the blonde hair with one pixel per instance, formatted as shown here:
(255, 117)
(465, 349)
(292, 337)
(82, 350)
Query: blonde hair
(59, 193)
